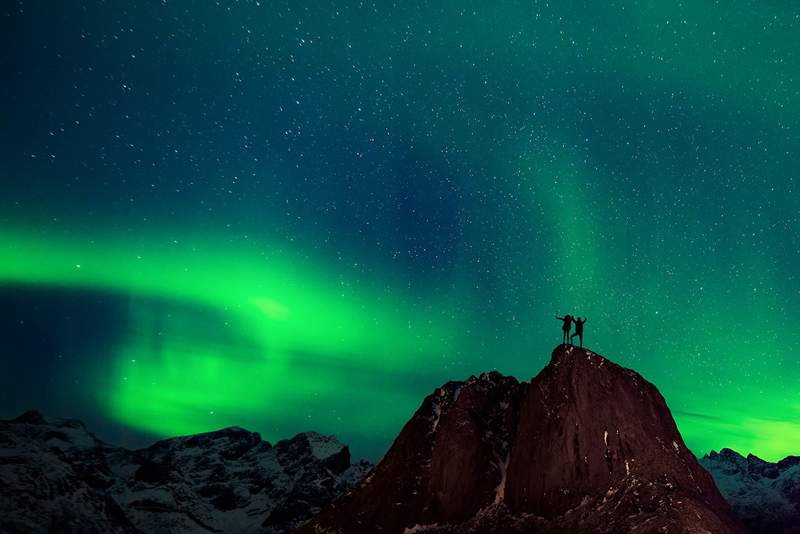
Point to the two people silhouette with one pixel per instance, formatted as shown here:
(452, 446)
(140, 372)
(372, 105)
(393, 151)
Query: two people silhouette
(567, 326)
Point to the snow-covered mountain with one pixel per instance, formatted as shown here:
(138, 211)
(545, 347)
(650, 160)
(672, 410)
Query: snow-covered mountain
(586, 447)
(55, 476)
(765, 495)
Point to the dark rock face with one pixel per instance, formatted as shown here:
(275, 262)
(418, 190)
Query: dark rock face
(764, 495)
(446, 462)
(55, 476)
(588, 425)
(471, 445)
(588, 446)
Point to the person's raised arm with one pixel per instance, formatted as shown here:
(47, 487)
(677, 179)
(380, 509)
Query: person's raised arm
(559, 318)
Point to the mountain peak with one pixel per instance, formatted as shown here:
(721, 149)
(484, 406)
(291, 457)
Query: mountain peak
(317, 445)
(35, 417)
(586, 360)
(729, 453)
(591, 425)
(31, 417)
(587, 444)
(233, 440)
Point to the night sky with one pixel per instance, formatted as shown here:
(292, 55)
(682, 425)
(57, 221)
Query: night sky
(307, 215)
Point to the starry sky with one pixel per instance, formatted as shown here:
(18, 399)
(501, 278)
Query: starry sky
(307, 215)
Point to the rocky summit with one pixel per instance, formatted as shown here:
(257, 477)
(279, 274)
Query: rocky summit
(55, 476)
(586, 446)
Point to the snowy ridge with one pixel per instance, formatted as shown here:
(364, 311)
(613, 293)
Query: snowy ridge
(765, 495)
(57, 476)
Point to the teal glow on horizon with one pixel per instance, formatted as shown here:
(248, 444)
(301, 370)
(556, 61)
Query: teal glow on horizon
(292, 217)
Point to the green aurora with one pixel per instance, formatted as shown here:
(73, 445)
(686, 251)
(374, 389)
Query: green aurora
(311, 217)
(175, 375)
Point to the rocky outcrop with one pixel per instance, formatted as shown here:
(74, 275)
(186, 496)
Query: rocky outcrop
(764, 495)
(589, 427)
(447, 462)
(587, 446)
(55, 476)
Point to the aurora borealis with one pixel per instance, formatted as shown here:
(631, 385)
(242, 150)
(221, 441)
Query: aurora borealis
(291, 216)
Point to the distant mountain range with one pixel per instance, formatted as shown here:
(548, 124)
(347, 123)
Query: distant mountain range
(55, 476)
(586, 446)
(764, 495)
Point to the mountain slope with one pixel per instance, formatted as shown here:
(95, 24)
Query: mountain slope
(588, 425)
(446, 462)
(57, 476)
(764, 495)
(587, 446)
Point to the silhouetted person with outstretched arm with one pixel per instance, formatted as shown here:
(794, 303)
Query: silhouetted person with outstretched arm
(566, 327)
(578, 329)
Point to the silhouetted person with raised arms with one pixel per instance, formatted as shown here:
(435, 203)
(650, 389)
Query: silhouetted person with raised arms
(578, 329)
(566, 327)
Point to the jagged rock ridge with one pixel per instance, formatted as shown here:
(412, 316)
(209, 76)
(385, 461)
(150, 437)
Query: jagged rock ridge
(55, 476)
(764, 495)
(587, 446)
